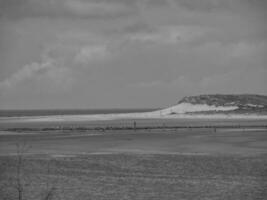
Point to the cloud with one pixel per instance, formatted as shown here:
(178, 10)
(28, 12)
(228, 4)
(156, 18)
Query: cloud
(244, 49)
(17, 9)
(148, 84)
(91, 53)
(79, 47)
(204, 5)
(219, 5)
(99, 9)
(157, 2)
(27, 72)
(47, 74)
(57, 65)
(56, 80)
(137, 27)
(168, 35)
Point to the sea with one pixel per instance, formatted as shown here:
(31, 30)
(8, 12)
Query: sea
(51, 112)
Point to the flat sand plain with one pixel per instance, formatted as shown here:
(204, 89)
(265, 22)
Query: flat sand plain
(183, 163)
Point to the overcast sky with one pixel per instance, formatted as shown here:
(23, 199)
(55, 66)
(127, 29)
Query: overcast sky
(129, 53)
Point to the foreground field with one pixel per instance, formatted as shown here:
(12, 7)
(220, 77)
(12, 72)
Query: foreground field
(139, 176)
(162, 164)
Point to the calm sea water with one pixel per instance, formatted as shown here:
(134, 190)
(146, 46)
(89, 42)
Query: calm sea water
(20, 113)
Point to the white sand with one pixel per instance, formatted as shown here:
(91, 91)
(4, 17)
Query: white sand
(183, 108)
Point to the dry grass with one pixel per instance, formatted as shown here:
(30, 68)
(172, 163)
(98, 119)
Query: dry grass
(140, 176)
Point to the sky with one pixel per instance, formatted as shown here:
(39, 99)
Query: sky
(129, 53)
